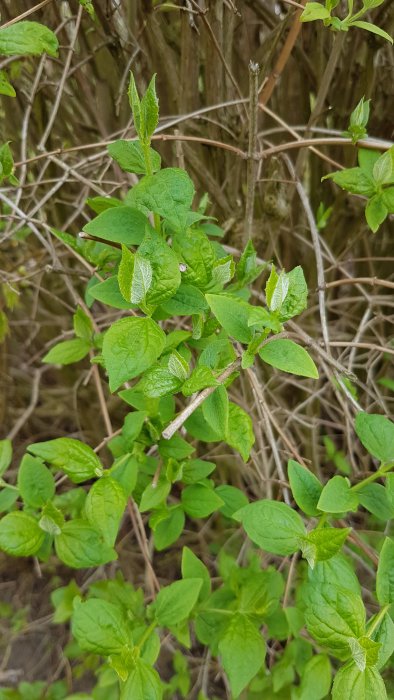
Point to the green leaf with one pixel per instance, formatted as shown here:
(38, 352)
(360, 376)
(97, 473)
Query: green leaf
(134, 276)
(175, 602)
(337, 572)
(215, 410)
(158, 381)
(296, 298)
(337, 496)
(350, 682)
(154, 494)
(388, 199)
(143, 683)
(333, 616)
(365, 652)
(67, 352)
(83, 327)
(130, 156)
(20, 534)
(234, 499)
(305, 486)
(193, 567)
(223, 271)
(81, 546)
(100, 204)
(168, 193)
(100, 627)
(8, 496)
(197, 254)
(178, 366)
(240, 433)
(289, 357)
(248, 269)
(376, 433)
(52, 519)
(28, 39)
(35, 482)
(5, 455)
(186, 301)
(374, 498)
(108, 292)
(232, 313)
(199, 501)
(369, 27)
(168, 530)
(104, 507)
(385, 573)
(145, 111)
(273, 526)
(323, 543)
(166, 276)
(5, 86)
(242, 650)
(384, 635)
(354, 180)
(119, 225)
(75, 458)
(200, 378)
(131, 345)
(196, 469)
(175, 448)
(313, 11)
(316, 678)
(375, 212)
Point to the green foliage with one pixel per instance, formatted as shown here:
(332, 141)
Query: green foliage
(191, 324)
(316, 11)
(29, 39)
(374, 179)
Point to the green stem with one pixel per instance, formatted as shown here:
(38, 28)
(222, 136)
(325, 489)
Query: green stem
(322, 521)
(146, 634)
(382, 471)
(378, 619)
(4, 485)
(149, 171)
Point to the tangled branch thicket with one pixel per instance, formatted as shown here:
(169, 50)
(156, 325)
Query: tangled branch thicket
(66, 112)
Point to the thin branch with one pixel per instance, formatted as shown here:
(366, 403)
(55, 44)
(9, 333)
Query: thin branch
(252, 165)
(182, 417)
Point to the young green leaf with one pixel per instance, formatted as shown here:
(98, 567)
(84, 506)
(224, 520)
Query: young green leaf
(67, 351)
(240, 435)
(168, 193)
(5, 455)
(154, 494)
(375, 212)
(323, 543)
(297, 292)
(175, 602)
(215, 410)
(333, 616)
(130, 156)
(354, 180)
(83, 327)
(119, 225)
(143, 683)
(305, 486)
(377, 435)
(75, 458)
(242, 650)
(108, 292)
(168, 530)
(131, 345)
(337, 496)
(134, 276)
(364, 685)
(313, 11)
(273, 526)
(35, 482)
(232, 313)
(81, 546)
(373, 28)
(104, 507)
(365, 652)
(28, 39)
(5, 86)
(234, 499)
(385, 573)
(20, 534)
(100, 627)
(199, 501)
(192, 567)
(166, 276)
(289, 357)
(316, 678)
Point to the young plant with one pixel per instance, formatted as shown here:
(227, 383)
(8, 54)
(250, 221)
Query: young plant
(187, 330)
(317, 11)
